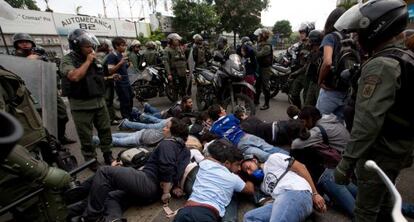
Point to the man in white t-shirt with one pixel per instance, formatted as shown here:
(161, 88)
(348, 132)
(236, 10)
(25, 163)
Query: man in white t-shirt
(289, 183)
(214, 185)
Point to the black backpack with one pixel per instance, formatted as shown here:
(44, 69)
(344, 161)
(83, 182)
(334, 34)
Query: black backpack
(345, 57)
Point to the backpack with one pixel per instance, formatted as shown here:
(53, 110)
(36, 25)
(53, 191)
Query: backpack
(345, 57)
(329, 155)
(134, 157)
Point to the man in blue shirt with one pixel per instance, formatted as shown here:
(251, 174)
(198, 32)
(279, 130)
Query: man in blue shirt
(215, 184)
(118, 64)
(228, 126)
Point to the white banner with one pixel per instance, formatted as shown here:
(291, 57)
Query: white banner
(97, 26)
(29, 21)
(125, 28)
(143, 29)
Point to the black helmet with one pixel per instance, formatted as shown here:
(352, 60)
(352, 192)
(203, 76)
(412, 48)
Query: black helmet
(221, 42)
(80, 37)
(245, 39)
(315, 37)
(375, 21)
(22, 37)
(306, 28)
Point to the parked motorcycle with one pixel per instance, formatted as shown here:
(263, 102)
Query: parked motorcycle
(151, 82)
(279, 80)
(223, 83)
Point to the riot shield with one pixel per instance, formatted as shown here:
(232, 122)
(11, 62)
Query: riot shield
(40, 79)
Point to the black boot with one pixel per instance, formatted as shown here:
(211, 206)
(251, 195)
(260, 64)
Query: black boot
(108, 158)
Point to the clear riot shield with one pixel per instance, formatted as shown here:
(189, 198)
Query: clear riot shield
(40, 78)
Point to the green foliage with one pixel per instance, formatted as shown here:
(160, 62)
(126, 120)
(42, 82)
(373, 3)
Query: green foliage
(30, 4)
(346, 3)
(283, 27)
(193, 17)
(293, 38)
(155, 35)
(240, 16)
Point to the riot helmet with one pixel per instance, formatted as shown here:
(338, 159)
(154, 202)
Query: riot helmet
(306, 28)
(150, 45)
(173, 36)
(245, 39)
(135, 43)
(375, 21)
(262, 33)
(79, 37)
(221, 42)
(315, 37)
(22, 37)
(197, 37)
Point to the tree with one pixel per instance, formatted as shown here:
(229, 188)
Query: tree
(283, 28)
(194, 17)
(346, 3)
(240, 16)
(29, 4)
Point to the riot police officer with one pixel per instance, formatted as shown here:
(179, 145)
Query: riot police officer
(83, 83)
(25, 47)
(150, 55)
(21, 167)
(299, 64)
(264, 55)
(383, 126)
(313, 62)
(199, 51)
(175, 63)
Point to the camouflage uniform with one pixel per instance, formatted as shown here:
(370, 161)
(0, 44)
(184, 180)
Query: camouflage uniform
(299, 76)
(175, 64)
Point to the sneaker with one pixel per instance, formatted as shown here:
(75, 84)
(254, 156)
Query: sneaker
(121, 124)
(114, 122)
(264, 107)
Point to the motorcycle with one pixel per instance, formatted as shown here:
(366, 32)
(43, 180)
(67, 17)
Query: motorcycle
(223, 83)
(279, 80)
(151, 82)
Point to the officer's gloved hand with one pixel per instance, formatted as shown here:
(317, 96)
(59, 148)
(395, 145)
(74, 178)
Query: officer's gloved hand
(343, 172)
(57, 178)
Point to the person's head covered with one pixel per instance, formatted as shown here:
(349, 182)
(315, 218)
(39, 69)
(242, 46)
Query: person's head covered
(82, 42)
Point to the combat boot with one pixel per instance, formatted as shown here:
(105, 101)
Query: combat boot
(108, 158)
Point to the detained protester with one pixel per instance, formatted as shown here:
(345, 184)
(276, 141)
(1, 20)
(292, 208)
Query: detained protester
(178, 110)
(289, 183)
(228, 126)
(115, 188)
(214, 185)
(144, 137)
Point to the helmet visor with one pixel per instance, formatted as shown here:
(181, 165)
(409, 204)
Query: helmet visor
(87, 39)
(352, 20)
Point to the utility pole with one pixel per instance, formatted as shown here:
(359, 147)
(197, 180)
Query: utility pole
(130, 10)
(117, 8)
(104, 6)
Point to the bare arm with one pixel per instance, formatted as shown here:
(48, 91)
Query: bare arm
(114, 69)
(76, 75)
(317, 199)
(326, 63)
(248, 188)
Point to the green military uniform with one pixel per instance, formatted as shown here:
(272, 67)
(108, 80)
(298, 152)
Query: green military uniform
(299, 76)
(264, 55)
(382, 132)
(150, 56)
(87, 110)
(135, 59)
(312, 88)
(109, 87)
(200, 55)
(19, 180)
(175, 64)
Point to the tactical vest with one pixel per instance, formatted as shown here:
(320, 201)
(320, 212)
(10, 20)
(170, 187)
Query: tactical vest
(199, 55)
(399, 121)
(267, 60)
(92, 85)
(178, 61)
(19, 103)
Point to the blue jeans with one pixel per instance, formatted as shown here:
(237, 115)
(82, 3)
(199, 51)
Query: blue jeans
(251, 144)
(122, 139)
(291, 205)
(343, 196)
(152, 110)
(331, 101)
(139, 126)
(137, 116)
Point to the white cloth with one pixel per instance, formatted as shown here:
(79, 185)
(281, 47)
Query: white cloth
(196, 154)
(273, 168)
(215, 185)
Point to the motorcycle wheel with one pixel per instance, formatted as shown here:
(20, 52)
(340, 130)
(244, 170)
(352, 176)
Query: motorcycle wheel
(172, 92)
(202, 103)
(242, 100)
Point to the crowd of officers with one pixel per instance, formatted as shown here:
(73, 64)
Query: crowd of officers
(382, 130)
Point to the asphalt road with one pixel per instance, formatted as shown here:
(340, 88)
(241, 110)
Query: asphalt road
(155, 213)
